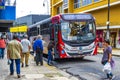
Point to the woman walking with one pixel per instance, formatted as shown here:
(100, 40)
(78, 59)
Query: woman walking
(2, 47)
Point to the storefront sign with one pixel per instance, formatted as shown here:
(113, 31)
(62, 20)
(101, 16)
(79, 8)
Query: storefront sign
(18, 29)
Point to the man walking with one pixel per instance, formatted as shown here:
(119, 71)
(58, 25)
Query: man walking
(38, 48)
(26, 50)
(14, 51)
(107, 59)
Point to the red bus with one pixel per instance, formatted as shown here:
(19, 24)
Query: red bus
(74, 35)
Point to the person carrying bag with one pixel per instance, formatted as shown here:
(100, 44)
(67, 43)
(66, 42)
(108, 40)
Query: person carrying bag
(107, 61)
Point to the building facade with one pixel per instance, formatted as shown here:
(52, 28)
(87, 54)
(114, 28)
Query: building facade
(21, 24)
(30, 19)
(7, 14)
(99, 9)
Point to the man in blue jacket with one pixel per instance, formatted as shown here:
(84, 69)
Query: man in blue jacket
(38, 48)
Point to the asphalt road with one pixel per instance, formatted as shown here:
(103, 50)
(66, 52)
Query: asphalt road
(90, 68)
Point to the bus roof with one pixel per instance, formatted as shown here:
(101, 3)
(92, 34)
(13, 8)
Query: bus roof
(40, 22)
(66, 17)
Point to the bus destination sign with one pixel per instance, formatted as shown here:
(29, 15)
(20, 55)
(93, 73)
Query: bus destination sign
(77, 17)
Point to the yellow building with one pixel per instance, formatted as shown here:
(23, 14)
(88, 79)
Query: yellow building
(99, 9)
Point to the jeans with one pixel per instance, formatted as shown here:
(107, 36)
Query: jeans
(17, 62)
(2, 52)
(39, 57)
(50, 57)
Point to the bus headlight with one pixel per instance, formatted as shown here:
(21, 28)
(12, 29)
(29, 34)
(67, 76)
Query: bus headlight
(63, 52)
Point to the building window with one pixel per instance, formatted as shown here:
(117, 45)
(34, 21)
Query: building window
(65, 1)
(77, 3)
(34, 22)
(65, 5)
(96, 0)
(86, 2)
(59, 10)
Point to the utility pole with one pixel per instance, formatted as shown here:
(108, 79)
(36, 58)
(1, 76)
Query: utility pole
(108, 21)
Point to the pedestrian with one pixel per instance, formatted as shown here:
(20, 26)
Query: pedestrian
(14, 51)
(33, 40)
(50, 55)
(100, 41)
(107, 59)
(2, 47)
(38, 48)
(26, 50)
(33, 52)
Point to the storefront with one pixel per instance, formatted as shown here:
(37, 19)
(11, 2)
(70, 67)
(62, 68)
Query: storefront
(114, 35)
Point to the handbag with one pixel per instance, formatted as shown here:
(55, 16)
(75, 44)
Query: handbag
(9, 62)
(107, 67)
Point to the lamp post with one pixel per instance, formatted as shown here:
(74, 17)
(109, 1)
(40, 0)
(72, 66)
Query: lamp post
(14, 4)
(108, 21)
(47, 3)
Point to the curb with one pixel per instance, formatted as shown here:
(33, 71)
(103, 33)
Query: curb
(64, 73)
(112, 54)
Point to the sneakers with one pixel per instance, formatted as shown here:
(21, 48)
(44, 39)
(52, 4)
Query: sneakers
(49, 64)
(112, 77)
(26, 65)
(22, 65)
(18, 75)
(11, 74)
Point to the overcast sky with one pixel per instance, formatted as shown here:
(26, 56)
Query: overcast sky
(25, 7)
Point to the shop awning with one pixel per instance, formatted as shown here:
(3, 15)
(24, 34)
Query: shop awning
(105, 27)
(18, 29)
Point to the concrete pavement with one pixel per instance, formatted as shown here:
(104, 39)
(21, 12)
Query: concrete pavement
(115, 52)
(44, 72)
(34, 72)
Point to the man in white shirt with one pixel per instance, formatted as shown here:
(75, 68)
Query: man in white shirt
(26, 50)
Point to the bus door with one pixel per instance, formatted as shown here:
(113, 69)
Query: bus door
(54, 36)
(56, 28)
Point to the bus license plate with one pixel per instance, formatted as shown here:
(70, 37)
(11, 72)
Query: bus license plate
(80, 52)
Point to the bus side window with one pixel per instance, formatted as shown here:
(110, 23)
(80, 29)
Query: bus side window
(51, 31)
(56, 27)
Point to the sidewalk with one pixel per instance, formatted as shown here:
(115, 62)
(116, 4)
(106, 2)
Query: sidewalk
(115, 52)
(34, 72)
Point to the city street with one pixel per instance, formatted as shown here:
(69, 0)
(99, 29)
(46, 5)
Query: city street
(34, 72)
(66, 37)
(89, 68)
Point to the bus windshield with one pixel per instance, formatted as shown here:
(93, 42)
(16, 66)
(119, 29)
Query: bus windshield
(78, 31)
